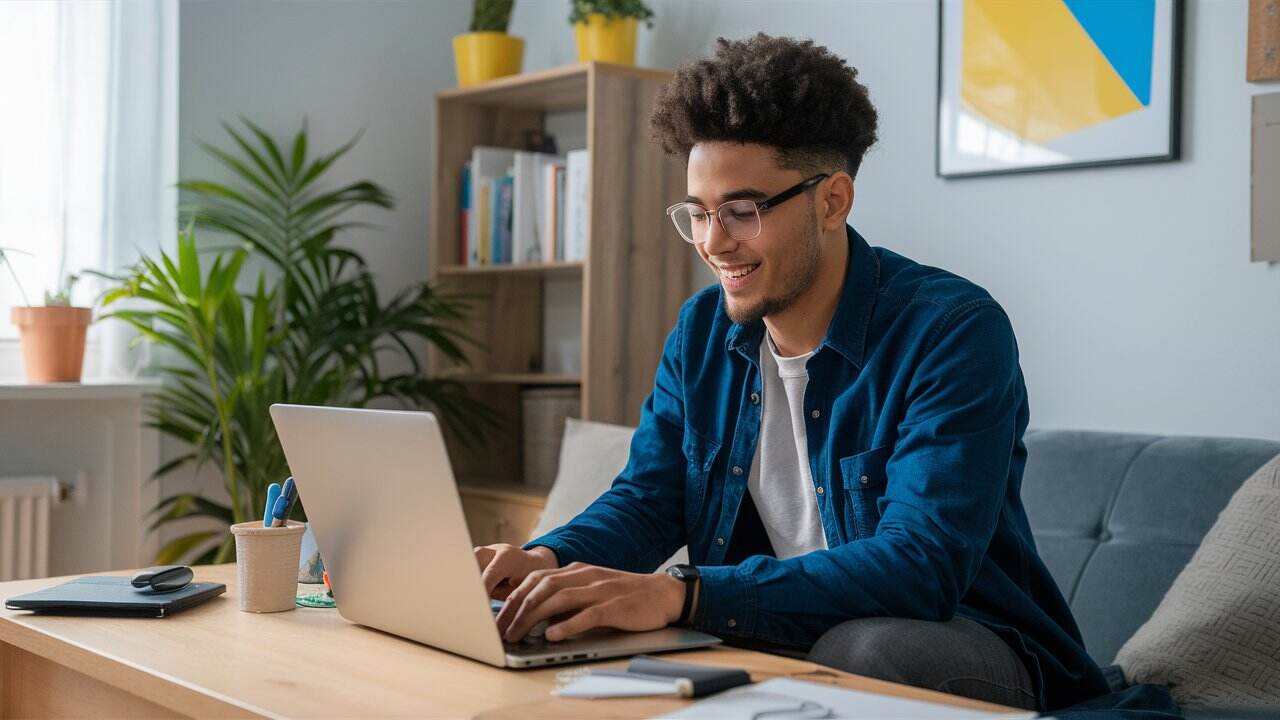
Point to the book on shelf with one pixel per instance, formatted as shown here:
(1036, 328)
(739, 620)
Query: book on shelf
(558, 254)
(464, 221)
(517, 207)
(487, 164)
(484, 228)
(553, 227)
(577, 179)
(502, 221)
(529, 240)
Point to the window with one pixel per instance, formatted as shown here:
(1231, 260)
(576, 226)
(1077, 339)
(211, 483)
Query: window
(55, 79)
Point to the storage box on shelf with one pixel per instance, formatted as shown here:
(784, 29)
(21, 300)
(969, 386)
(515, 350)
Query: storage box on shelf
(633, 279)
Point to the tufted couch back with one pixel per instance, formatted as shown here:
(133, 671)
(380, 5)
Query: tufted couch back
(1116, 516)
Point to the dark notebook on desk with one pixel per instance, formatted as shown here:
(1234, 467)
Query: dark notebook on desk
(113, 596)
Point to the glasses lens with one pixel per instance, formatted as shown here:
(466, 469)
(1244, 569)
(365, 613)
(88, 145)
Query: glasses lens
(691, 221)
(740, 219)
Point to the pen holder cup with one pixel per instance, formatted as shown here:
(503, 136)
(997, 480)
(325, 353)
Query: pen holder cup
(267, 565)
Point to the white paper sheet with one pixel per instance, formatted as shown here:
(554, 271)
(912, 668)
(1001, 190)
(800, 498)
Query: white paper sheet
(595, 685)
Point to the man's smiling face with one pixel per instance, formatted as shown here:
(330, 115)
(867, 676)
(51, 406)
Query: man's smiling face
(768, 273)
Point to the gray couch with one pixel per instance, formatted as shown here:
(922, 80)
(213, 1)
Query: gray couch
(1116, 516)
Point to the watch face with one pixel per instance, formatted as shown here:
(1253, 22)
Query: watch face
(680, 572)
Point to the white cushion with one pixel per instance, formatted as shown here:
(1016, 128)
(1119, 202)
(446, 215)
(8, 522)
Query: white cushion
(1215, 638)
(591, 456)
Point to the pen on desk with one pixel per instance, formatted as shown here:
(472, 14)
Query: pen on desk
(284, 503)
(273, 493)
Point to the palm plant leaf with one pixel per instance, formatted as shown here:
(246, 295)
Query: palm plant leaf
(179, 547)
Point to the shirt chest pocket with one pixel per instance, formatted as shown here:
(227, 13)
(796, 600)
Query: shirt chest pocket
(700, 456)
(864, 484)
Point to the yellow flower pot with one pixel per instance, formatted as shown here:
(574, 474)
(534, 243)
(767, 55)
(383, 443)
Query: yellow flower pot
(483, 56)
(606, 39)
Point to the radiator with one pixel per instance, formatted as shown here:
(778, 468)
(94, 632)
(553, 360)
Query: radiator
(24, 526)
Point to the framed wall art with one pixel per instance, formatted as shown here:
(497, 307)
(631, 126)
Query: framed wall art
(1044, 84)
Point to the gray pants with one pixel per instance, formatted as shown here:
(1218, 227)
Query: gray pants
(959, 657)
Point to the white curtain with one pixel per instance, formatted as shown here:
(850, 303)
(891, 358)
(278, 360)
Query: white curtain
(140, 217)
(88, 153)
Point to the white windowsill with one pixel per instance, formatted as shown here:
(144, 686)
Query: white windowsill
(90, 389)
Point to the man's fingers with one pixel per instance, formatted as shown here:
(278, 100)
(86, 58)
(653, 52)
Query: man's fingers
(503, 565)
(536, 609)
(484, 555)
(531, 592)
(592, 616)
(516, 597)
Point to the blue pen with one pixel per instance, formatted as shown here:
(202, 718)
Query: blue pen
(273, 493)
(284, 503)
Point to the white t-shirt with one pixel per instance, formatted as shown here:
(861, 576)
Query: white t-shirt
(781, 481)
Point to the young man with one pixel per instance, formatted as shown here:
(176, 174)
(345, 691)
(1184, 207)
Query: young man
(835, 431)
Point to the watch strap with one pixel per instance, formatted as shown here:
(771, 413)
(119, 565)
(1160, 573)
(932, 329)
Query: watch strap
(688, 575)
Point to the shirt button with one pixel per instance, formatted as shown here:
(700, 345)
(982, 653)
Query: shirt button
(755, 398)
(815, 414)
(732, 623)
(737, 470)
(820, 490)
(719, 541)
(863, 480)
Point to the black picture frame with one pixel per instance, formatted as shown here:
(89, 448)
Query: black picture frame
(1175, 111)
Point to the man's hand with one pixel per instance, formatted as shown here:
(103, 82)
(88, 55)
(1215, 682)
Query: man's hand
(503, 567)
(587, 596)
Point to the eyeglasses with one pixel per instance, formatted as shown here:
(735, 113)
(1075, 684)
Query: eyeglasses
(739, 218)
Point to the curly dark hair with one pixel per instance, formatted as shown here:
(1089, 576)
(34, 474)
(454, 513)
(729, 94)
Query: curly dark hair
(789, 94)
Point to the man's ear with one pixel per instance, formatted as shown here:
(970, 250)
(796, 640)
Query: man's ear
(837, 202)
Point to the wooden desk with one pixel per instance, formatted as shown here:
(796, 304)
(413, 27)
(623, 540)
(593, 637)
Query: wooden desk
(215, 661)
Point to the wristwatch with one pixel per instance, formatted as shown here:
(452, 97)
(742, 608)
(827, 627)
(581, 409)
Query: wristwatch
(688, 575)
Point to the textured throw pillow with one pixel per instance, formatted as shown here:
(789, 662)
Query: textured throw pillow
(1215, 638)
(591, 456)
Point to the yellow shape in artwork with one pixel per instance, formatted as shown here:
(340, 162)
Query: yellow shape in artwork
(1029, 67)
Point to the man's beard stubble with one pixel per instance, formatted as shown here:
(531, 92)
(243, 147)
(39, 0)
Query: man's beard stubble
(794, 284)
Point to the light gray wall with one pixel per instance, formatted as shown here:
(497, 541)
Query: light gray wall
(345, 66)
(1130, 288)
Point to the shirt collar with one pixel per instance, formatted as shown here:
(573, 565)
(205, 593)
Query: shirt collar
(847, 333)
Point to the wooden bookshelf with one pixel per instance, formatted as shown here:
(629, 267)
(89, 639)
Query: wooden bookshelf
(551, 269)
(512, 378)
(633, 280)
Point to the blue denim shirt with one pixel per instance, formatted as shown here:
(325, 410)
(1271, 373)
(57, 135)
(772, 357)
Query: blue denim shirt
(916, 409)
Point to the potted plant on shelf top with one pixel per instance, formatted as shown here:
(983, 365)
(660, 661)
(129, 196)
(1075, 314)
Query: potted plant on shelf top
(605, 30)
(487, 51)
(53, 335)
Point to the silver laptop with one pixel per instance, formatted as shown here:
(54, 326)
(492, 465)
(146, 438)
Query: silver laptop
(380, 496)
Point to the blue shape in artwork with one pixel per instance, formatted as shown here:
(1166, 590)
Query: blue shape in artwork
(1124, 30)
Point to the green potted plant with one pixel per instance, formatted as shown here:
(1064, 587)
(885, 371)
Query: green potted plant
(605, 30)
(313, 330)
(53, 335)
(487, 51)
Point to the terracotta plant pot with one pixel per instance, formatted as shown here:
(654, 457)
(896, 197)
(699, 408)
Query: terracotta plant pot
(52, 341)
(482, 56)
